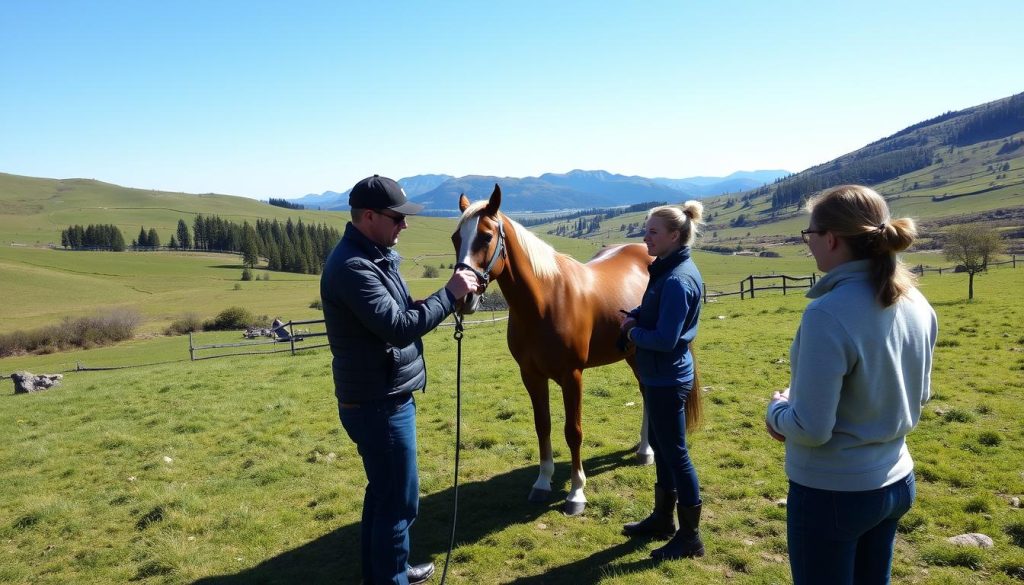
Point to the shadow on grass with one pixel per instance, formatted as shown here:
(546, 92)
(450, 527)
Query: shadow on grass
(484, 508)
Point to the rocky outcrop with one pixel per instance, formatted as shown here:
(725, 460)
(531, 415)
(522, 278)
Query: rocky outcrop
(25, 382)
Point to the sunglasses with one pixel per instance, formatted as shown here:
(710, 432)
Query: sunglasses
(396, 217)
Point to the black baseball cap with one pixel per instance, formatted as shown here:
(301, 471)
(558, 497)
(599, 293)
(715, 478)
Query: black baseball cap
(379, 192)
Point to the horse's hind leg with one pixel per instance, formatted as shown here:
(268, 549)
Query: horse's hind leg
(572, 396)
(537, 386)
(644, 453)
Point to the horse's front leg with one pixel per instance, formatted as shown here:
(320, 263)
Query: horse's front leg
(537, 386)
(644, 453)
(572, 396)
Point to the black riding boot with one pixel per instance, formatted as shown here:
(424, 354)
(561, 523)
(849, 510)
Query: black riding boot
(662, 522)
(686, 543)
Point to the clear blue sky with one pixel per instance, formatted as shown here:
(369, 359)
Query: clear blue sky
(281, 99)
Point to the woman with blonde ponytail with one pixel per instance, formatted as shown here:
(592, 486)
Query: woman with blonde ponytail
(662, 328)
(860, 374)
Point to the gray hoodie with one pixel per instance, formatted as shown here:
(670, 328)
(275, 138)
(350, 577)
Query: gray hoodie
(860, 374)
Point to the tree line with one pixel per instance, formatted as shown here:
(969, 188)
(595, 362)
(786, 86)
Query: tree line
(865, 171)
(287, 247)
(93, 237)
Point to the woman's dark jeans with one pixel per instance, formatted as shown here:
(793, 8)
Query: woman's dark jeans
(666, 413)
(839, 538)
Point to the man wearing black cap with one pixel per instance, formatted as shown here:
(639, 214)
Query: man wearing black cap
(374, 328)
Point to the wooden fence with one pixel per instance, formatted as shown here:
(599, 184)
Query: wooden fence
(921, 269)
(749, 285)
(298, 340)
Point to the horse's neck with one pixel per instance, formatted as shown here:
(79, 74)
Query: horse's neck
(522, 288)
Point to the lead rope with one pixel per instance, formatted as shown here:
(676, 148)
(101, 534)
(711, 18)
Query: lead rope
(458, 437)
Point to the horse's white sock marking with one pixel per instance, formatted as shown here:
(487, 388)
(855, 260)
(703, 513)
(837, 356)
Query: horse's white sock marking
(547, 471)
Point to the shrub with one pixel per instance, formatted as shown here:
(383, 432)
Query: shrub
(231, 318)
(990, 438)
(85, 332)
(238, 286)
(977, 505)
(1016, 533)
(246, 274)
(317, 304)
(957, 415)
(430, 272)
(187, 323)
(952, 556)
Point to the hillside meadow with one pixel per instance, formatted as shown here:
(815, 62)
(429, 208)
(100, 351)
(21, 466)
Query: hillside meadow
(236, 470)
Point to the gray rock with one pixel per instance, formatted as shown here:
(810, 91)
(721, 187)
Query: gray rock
(971, 539)
(25, 382)
(1015, 502)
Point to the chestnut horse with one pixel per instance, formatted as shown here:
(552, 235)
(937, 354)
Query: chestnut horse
(563, 317)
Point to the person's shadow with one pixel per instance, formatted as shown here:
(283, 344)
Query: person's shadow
(484, 508)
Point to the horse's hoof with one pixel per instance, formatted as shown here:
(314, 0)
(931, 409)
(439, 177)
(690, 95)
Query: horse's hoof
(573, 508)
(644, 459)
(539, 496)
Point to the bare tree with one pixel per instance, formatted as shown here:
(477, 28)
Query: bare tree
(972, 246)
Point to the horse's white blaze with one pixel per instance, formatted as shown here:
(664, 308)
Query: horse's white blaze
(547, 471)
(579, 479)
(466, 234)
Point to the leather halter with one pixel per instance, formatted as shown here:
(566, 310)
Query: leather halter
(499, 250)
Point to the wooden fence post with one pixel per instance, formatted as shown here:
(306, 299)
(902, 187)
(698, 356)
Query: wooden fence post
(751, 285)
(191, 348)
(291, 336)
(704, 286)
(742, 290)
(783, 285)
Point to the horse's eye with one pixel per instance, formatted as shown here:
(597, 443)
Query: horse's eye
(486, 238)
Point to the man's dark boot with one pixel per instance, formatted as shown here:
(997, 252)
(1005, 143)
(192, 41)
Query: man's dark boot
(686, 543)
(420, 573)
(662, 521)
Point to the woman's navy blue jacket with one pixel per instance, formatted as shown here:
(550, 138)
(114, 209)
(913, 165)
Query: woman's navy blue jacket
(667, 321)
(373, 326)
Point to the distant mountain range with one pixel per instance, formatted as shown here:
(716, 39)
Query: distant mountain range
(551, 191)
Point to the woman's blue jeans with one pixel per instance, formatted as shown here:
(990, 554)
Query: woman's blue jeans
(666, 414)
(385, 433)
(845, 537)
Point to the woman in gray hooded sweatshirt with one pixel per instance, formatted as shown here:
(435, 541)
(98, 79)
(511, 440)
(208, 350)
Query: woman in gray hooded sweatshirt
(861, 371)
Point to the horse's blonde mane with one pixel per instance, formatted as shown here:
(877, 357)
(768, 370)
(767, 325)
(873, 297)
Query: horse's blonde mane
(543, 258)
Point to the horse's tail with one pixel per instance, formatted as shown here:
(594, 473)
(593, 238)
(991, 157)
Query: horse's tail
(694, 402)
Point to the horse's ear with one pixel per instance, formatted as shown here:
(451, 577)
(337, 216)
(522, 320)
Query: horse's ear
(463, 202)
(495, 201)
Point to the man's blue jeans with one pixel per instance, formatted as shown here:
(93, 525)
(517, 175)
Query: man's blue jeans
(845, 537)
(666, 413)
(385, 433)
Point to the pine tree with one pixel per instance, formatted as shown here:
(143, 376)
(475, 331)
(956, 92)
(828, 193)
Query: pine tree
(183, 238)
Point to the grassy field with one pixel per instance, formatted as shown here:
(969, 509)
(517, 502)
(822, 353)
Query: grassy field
(237, 471)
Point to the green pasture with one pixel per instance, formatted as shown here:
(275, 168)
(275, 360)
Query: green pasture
(236, 470)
